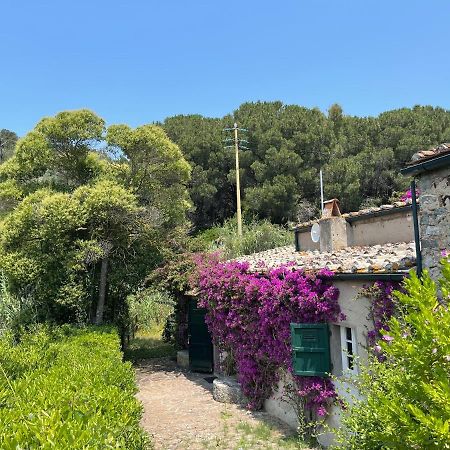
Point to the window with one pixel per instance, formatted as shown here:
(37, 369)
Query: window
(348, 349)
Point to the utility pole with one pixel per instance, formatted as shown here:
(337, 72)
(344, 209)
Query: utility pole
(237, 144)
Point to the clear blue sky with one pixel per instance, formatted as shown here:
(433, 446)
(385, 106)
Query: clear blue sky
(138, 61)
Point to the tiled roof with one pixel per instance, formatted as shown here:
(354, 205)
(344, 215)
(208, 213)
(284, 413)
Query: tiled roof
(386, 258)
(396, 206)
(423, 155)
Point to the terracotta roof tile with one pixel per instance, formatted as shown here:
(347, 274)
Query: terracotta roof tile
(430, 153)
(386, 258)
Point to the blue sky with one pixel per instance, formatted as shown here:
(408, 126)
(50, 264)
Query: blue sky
(139, 61)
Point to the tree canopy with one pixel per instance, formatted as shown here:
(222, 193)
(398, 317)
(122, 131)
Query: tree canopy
(8, 140)
(288, 145)
(80, 228)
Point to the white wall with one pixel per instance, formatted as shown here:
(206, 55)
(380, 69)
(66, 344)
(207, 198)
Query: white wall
(357, 311)
(390, 228)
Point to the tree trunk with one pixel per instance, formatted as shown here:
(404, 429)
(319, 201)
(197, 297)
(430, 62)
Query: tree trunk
(102, 292)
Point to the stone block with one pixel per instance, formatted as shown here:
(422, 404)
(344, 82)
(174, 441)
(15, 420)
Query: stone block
(429, 202)
(432, 231)
(183, 359)
(228, 390)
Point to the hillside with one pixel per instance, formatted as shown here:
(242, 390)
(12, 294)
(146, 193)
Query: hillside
(288, 144)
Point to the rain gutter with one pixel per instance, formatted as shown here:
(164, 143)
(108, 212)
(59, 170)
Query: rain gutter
(425, 166)
(395, 276)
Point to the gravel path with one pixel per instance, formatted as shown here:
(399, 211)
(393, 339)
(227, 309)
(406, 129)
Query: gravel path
(180, 413)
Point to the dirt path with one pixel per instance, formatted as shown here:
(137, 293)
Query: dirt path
(180, 413)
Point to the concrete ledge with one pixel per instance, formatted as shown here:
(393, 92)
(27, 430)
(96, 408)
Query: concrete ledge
(183, 359)
(227, 390)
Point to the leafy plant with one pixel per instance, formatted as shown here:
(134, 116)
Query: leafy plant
(288, 145)
(149, 307)
(257, 236)
(68, 388)
(14, 312)
(405, 398)
(80, 229)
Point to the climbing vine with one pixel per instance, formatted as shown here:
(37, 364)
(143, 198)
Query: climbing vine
(382, 308)
(249, 316)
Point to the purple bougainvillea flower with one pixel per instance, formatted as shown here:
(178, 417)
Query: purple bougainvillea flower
(249, 314)
(387, 338)
(408, 195)
(377, 349)
(445, 253)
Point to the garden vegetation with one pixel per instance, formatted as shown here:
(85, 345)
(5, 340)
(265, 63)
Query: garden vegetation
(405, 394)
(249, 316)
(88, 212)
(67, 388)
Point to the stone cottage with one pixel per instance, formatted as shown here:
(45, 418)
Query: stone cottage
(375, 244)
(431, 172)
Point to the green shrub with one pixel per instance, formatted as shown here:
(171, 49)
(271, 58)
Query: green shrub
(14, 312)
(257, 236)
(406, 396)
(67, 388)
(149, 307)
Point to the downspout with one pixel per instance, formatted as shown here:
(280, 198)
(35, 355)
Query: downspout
(416, 228)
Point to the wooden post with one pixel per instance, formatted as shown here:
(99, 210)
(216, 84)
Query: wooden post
(238, 184)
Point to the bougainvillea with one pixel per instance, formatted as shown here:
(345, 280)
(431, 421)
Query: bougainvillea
(249, 315)
(382, 308)
(407, 196)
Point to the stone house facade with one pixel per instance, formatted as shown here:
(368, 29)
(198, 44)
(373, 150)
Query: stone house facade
(431, 171)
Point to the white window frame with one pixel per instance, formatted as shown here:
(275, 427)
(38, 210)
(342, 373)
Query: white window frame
(344, 350)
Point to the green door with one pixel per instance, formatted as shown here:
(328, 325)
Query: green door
(200, 343)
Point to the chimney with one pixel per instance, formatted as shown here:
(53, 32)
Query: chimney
(333, 227)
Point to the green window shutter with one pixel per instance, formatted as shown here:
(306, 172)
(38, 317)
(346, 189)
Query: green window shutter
(311, 349)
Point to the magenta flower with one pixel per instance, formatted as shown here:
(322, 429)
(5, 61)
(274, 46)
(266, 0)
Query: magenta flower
(250, 314)
(407, 196)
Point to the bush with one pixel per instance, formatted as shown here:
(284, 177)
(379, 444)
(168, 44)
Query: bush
(67, 388)
(257, 236)
(249, 316)
(406, 392)
(14, 312)
(150, 307)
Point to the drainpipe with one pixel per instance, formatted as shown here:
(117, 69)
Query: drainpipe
(416, 228)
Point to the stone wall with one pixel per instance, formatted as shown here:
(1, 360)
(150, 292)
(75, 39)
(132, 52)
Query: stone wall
(434, 217)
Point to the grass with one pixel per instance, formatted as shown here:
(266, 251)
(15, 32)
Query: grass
(149, 344)
(244, 436)
(264, 437)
